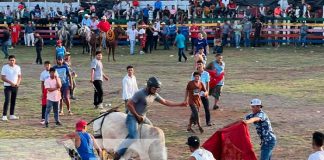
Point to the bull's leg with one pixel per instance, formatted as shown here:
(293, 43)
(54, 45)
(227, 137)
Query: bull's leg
(113, 53)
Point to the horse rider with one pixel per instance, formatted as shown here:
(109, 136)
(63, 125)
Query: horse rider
(86, 21)
(138, 106)
(62, 23)
(103, 26)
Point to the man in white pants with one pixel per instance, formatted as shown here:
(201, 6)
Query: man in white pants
(29, 34)
(132, 33)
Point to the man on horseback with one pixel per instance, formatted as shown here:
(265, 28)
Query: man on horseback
(104, 27)
(138, 106)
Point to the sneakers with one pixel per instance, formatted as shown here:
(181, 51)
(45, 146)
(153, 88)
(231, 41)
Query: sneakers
(4, 118)
(215, 107)
(46, 125)
(42, 122)
(13, 117)
(58, 123)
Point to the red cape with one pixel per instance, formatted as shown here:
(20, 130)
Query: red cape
(214, 78)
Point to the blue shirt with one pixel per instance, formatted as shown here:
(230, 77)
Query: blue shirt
(180, 40)
(145, 12)
(173, 29)
(63, 72)
(204, 78)
(165, 30)
(219, 69)
(29, 29)
(184, 30)
(85, 149)
(263, 127)
(158, 5)
(201, 43)
(86, 22)
(60, 51)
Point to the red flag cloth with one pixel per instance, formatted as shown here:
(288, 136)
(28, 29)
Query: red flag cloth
(214, 78)
(231, 143)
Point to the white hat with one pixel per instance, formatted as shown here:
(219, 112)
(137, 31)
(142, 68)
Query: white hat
(86, 15)
(63, 17)
(256, 102)
(163, 23)
(103, 17)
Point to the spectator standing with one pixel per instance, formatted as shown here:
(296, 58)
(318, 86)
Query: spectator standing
(173, 13)
(43, 76)
(173, 30)
(86, 21)
(247, 29)
(150, 15)
(142, 38)
(226, 28)
(96, 78)
(66, 79)
(5, 42)
(165, 35)
(29, 32)
(204, 78)
(185, 32)
(146, 13)
(149, 39)
(68, 63)
(238, 32)
(39, 43)
(194, 30)
(15, 33)
(59, 50)
(131, 36)
(8, 13)
(201, 42)
(318, 147)
(257, 34)
(157, 8)
(51, 14)
(303, 34)
(129, 85)
(131, 23)
(198, 153)
(218, 66)
(11, 77)
(263, 126)
(53, 86)
(192, 96)
(156, 28)
(180, 41)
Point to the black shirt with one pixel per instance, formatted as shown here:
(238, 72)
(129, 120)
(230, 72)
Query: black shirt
(6, 36)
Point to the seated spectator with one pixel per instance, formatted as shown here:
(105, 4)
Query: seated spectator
(59, 13)
(277, 12)
(145, 13)
(318, 147)
(157, 8)
(173, 13)
(166, 12)
(248, 13)
(135, 3)
(206, 6)
(232, 7)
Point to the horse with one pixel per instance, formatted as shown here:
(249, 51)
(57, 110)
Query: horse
(110, 130)
(112, 40)
(64, 35)
(85, 33)
(73, 30)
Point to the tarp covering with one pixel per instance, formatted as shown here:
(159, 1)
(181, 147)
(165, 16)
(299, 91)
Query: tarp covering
(313, 3)
(231, 143)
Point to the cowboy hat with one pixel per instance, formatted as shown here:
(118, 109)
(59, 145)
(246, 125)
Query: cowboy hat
(86, 15)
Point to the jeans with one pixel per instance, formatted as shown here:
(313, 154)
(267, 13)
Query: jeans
(49, 106)
(5, 48)
(132, 45)
(103, 41)
(181, 54)
(98, 92)
(303, 38)
(266, 150)
(224, 39)
(131, 124)
(166, 42)
(205, 102)
(256, 40)
(193, 41)
(247, 39)
(237, 40)
(10, 93)
(39, 56)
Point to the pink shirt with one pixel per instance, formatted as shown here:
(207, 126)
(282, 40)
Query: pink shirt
(54, 96)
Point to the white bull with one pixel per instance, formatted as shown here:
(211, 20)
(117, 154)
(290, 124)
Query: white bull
(112, 127)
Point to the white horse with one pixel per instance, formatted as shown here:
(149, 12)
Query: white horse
(73, 29)
(112, 129)
(85, 34)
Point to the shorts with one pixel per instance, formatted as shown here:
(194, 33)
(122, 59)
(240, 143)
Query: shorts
(65, 92)
(216, 91)
(194, 113)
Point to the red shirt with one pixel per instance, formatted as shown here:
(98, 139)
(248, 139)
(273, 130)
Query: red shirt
(15, 30)
(231, 6)
(104, 26)
(194, 34)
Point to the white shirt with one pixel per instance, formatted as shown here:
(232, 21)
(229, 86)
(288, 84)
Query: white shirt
(132, 34)
(11, 73)
(202, 154)
(319, 155)
(141, 32)
(129, 87)
(226, 2)
(44, 75)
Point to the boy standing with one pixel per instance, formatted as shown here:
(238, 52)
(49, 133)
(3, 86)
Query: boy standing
(194, 88)
(60, 50)
(142, 38)
(43, 76)
(39, 43)
(129, 85)
(131, 35)
(15, 32)
(180, 41)
(52, 85)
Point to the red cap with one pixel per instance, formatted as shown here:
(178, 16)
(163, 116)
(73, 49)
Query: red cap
(79, 126)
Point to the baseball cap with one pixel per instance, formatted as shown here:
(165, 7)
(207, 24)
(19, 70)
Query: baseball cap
(193, 141)
(79, 126)
(256, 102)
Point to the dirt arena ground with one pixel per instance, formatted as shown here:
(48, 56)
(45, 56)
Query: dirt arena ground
(289, 81)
